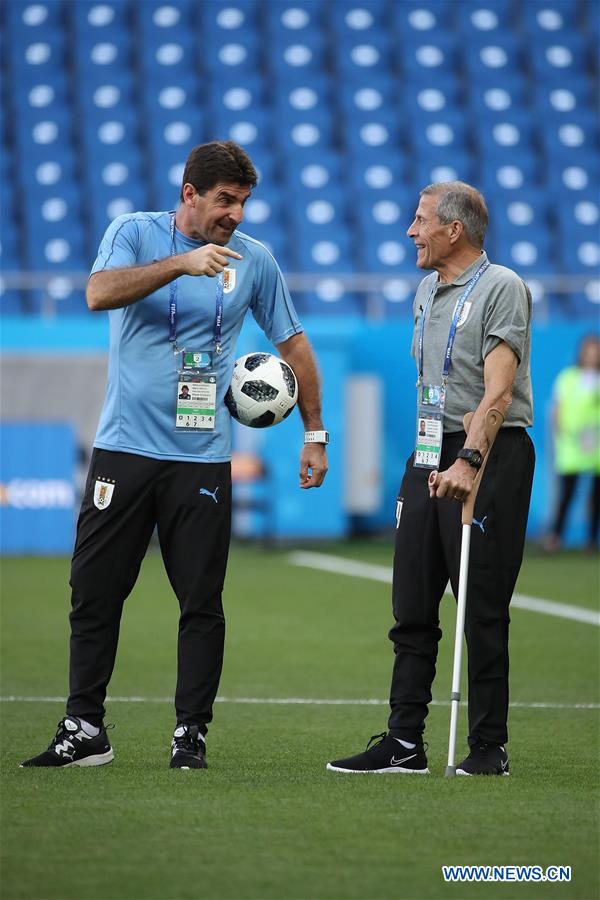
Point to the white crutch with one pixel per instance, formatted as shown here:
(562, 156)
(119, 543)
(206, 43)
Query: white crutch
(493, 423)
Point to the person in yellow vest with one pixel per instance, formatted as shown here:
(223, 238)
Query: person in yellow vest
(576, 428)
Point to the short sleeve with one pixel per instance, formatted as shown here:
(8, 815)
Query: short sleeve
(507, 317)
(272, 306)
(119, 246)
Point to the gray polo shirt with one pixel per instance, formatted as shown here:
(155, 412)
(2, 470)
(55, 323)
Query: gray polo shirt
(498, 309)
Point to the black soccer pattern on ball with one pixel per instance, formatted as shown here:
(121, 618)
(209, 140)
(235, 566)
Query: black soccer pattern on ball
(256, 360)
(289, 378)
(259, 390)
(263, 421)
(231, 404)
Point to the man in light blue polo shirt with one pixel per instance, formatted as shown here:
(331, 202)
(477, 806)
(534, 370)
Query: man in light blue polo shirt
(177, 287)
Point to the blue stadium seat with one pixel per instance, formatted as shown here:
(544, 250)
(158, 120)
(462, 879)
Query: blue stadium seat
(550, 19)
(35, 100)
(370, 133)
(485, 61)
(103, 19)
(574, 140)
(107, 203)
(242, 94)
(313, 172)
(553, 62)
(161, 20)
(31, 20)
(418, 21)
(327, 209)
(34, 61)
(378, 172)
(251, 127)
(293, 20)
(293, 58)
(531, 256)
(321, 251)
(164, 62)
(506, 93)
(386, 249)
(431, 53)
(431, 99)
(358, 58)
(574, 95)
(567, 181)
(483, 20)
(352, 20)
(230, 20)
(438, 132)
(510, 175)
(111, 55)
(176, 132)
(582, 254)
(506, 138)
(380, 93)
(441, 166)
(579, 216)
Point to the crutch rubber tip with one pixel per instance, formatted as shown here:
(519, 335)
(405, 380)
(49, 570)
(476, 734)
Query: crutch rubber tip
(450, 772)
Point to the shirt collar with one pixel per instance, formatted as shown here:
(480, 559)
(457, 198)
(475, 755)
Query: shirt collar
(466, 276)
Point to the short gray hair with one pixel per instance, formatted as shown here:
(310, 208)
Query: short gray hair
(462, 202)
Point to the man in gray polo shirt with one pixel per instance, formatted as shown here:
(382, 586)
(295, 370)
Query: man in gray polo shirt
(471, 345)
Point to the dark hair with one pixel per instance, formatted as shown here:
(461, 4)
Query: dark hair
(462, 202)
(586, 340)
(218, 161)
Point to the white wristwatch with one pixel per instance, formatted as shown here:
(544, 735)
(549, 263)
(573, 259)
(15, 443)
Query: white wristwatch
(316, 437)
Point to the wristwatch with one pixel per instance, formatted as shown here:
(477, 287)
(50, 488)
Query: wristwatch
(473, 457)
(316, 437)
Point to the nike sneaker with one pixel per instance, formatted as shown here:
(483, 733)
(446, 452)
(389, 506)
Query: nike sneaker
(72, 746)
(188, 750)
(484, 759)
(387, 754)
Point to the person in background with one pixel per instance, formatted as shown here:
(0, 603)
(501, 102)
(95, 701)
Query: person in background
(576, 432)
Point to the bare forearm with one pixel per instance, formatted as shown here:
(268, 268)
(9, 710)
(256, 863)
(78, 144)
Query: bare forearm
(298, 353)
(115, 288)
(499, 373)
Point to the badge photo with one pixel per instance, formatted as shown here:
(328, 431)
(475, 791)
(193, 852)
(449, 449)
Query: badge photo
(228, 280)
(103, 493)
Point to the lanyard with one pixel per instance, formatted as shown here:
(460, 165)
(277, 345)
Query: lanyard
(173, 303)
(453, 326)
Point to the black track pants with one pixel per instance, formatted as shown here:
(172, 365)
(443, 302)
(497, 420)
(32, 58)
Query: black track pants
(190, 503)
(427, 554)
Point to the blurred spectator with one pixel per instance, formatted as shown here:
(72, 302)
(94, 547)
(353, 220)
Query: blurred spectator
(576, 428)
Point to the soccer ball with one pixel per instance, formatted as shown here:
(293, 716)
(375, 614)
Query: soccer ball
(263, 390)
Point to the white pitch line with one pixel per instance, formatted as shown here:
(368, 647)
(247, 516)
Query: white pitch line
(339, 565)
(291, 701)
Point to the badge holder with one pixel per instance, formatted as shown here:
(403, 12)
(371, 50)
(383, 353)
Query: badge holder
(196, 401)
(431, 399)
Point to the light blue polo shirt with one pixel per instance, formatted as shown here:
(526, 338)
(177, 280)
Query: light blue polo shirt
(138, 415)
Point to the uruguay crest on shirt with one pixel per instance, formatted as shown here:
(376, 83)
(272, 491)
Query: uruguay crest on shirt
(228, 280)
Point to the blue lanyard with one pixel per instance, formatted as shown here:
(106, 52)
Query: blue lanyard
(173, 302)
(453, 326)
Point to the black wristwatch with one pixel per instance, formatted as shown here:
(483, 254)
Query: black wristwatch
(473, 457)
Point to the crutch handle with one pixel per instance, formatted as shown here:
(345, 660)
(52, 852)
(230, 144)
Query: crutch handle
(492, 424)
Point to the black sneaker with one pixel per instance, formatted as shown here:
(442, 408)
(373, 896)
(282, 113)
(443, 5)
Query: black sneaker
(188, 748)
(484, 759)
(387, 755)
(73, 747)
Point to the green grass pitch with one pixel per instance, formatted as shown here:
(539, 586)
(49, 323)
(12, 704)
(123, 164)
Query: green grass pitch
(266, 820)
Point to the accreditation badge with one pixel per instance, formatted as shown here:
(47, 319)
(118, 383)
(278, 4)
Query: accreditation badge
(196, 398)
(431, 399)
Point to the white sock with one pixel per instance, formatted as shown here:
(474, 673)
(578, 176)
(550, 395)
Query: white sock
(92, 730)
(407, 744)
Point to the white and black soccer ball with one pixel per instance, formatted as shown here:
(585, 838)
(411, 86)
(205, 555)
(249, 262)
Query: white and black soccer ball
(263, 390)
